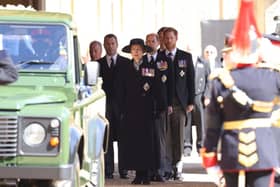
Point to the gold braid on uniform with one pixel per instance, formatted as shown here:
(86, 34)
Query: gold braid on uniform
(239, 95)
(275, 67)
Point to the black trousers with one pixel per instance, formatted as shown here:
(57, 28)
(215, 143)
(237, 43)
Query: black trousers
(109, 159)
(113, 136)
(253, 179)
(160, 141)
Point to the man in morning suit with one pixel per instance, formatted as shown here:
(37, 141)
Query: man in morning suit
(110, 67)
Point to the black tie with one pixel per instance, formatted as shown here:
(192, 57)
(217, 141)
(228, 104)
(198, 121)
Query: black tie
(152, 60)
(112, 63)
(170, 55)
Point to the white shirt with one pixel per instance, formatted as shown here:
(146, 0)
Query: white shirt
(173, 52)
(108, 58)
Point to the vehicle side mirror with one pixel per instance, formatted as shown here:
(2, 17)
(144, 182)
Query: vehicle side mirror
(91, 73)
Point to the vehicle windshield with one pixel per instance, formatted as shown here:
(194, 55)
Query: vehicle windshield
(35, 47)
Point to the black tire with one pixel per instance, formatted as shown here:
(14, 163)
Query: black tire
(35, 183)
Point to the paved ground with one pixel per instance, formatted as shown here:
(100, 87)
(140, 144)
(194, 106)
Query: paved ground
(193, 176)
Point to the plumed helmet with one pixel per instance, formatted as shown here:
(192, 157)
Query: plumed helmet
(245, 35)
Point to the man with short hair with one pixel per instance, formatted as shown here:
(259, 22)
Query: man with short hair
(161, 39)
(182, 101)
(210, 55)
(110, 67)
(95, 50)
(196, 116)
(163, 100)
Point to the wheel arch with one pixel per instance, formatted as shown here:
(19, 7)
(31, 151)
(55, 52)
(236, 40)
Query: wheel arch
(76, 145)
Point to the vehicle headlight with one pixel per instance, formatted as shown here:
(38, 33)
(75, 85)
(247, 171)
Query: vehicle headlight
(34, 134)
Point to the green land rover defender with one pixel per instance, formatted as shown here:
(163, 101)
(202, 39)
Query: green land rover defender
(52, 123)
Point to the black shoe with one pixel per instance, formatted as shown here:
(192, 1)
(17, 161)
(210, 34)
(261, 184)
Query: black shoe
(159, 178)
(124, 176)
(175, 173)
(167, 175)
(137, 180)
(109, 176)
(146, 182)
(152, 177)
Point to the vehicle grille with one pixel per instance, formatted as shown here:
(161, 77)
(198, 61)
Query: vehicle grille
(8, 136)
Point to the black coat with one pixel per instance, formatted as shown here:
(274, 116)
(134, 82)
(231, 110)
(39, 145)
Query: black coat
(8, 72)
(184, 78)
(202, 72)
(109, 76)
(137, 93)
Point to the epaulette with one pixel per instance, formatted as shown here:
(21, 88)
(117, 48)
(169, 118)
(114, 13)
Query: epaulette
(239, 95)
(224, 76)
(271, 66)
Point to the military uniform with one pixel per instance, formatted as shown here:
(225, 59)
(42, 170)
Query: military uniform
(164, 87)
(196, 117)
(8, 72)
(239, 114)
(275, 40)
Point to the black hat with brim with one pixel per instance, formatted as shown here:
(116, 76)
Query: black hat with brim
(136, 41)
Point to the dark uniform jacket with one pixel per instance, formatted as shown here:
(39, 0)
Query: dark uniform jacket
(109, 76)
(244, 129)
(202, 71)
(202, 90)
(8, 72)
(137, 95)
(165, 78)
(184, 78)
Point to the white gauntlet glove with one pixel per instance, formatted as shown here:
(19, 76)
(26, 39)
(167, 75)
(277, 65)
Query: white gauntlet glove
(216, 175)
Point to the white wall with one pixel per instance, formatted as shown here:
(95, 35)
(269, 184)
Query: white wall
(136, 18)
(271, 11)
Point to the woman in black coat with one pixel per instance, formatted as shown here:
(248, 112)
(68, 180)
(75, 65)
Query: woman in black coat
(137, 94)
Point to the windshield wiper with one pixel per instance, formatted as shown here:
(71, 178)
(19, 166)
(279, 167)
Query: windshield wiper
(33, 62)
